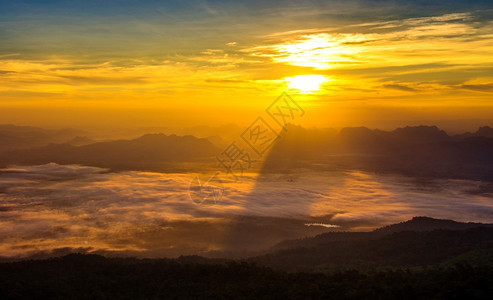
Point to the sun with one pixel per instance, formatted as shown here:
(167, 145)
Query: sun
(305, 83)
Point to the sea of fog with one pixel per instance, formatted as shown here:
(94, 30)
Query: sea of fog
(52, 209)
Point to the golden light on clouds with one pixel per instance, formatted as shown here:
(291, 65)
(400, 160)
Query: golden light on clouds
(319, 50)
(441, 61)
(306, 83)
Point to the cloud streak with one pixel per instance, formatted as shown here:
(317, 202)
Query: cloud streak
(173, 57)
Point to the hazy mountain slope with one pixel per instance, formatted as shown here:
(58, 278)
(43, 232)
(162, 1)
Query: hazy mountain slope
(418, 242)
(415, 224)
(149, 152)
(428, 224)
(484, 131)
(22, 137)
(416, 151)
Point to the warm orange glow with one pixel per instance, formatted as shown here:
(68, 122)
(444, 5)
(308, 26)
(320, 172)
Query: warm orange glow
(319, 51)
(306, 83)
(398, 66)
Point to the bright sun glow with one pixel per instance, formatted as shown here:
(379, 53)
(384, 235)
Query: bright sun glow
(306, 83)
(319, 51)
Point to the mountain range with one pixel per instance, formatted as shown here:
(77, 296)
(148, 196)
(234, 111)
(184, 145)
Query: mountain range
(422, 151)
(149, 152)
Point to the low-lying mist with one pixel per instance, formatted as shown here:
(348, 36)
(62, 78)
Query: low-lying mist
(52, 209)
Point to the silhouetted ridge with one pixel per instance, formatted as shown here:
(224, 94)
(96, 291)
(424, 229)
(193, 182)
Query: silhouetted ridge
(148, 152)
(427, 224)
(484, 131)
(80, 141)
(416, 224)
(421, 241)
(420, 134)
(420, 151)
(23, 137)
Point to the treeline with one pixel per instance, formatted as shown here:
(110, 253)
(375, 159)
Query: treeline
(94, 277)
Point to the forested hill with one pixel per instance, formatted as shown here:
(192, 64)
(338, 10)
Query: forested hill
(383, 264)
(96, 277)
(418, 242)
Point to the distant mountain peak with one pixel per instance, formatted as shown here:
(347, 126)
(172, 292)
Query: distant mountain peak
(422, 132)
(153, 136)
(485, 131)
(422, 223)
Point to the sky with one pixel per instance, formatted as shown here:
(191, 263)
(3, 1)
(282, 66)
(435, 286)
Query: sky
(95, 63)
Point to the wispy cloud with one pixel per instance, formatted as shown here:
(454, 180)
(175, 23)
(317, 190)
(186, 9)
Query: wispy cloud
(399, 87)
(172, 55)
(478, 87)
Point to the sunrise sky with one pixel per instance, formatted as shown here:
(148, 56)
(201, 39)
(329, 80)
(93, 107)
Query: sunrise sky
(182, 63)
